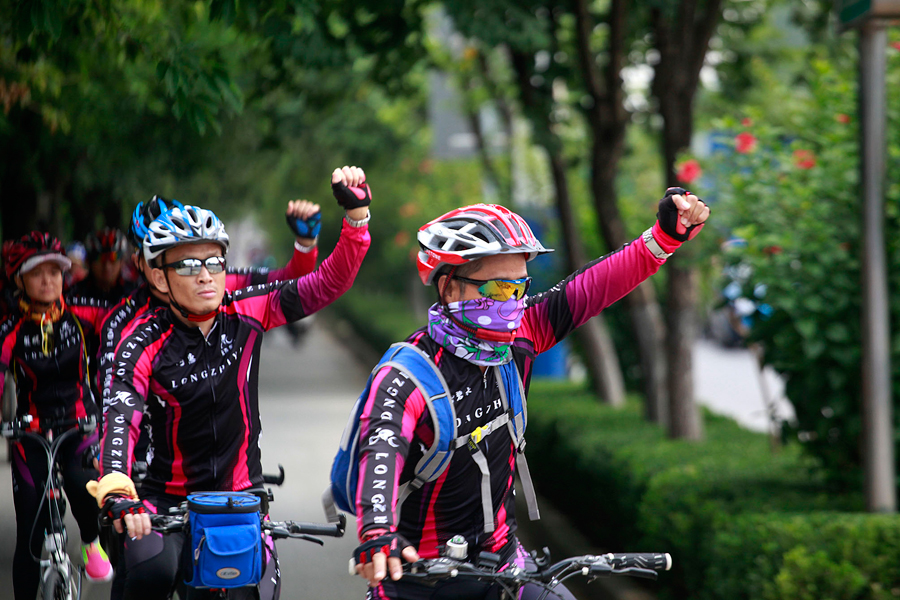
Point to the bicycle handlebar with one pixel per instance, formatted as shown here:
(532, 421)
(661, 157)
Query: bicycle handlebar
(645, 565)
(275, 479)
(278, 529)
(28, 425)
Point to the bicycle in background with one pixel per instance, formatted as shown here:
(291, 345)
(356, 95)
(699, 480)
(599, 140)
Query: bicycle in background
(60, 578)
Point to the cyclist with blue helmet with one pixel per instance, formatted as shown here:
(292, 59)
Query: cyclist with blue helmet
(303, 217)
(193, 366)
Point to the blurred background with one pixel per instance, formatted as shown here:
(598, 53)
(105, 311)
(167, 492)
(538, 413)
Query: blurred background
(578, 115)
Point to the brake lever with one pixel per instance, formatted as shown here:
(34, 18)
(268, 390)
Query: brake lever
(308, 538)
(636, 572)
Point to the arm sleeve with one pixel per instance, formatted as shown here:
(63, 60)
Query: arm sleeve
(552, 315)
(125, 407)
(9, 330)
(387, 427)
(286, 301)
(301, 263)
(111, 333)
(89, 311)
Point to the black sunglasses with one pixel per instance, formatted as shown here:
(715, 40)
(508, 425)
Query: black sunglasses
(191, 266)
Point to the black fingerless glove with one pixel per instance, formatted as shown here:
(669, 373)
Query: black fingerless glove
(391, 544)
(305, 228)
(670, 221)
(352, 197)
(117, 507)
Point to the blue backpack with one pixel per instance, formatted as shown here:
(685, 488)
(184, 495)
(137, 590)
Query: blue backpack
(417, 365)
(225, 540)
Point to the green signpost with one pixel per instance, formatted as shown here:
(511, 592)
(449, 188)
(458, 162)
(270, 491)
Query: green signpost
(852, 13)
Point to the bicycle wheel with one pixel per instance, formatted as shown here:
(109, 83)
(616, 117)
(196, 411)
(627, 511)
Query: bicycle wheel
(56, 586)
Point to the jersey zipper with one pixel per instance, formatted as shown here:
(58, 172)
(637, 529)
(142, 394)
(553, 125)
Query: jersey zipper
(212, 391)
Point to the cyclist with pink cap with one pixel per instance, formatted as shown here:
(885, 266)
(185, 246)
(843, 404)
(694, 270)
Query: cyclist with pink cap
(484, 320)
(44, 341)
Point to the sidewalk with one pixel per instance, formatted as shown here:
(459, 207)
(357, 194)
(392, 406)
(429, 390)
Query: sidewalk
(728, 382)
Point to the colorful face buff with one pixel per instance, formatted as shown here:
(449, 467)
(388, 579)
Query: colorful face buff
(480, 331)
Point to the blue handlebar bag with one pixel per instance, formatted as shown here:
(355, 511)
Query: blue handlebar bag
(225, 540)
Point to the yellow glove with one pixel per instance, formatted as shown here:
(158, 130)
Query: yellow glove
(113, 483)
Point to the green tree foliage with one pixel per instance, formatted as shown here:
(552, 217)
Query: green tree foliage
(790, 190)
(92, 90)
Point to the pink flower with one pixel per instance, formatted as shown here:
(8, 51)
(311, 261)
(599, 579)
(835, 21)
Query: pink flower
(804, 159)
(746, 121)
(745, 142)
(842, 118)
(689, 171)
(895, 45)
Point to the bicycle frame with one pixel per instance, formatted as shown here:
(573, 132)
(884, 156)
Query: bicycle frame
(60, 578)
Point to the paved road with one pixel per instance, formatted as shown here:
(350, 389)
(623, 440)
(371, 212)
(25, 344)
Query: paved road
(729, 382)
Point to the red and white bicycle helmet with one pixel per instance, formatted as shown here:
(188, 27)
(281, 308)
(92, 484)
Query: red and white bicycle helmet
(108, 240)
(470, 233)
(24, 254)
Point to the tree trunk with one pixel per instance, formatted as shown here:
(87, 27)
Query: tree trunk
(643, 307)
(608, 123)
(594, 338)
(682, 39)
(681, 322)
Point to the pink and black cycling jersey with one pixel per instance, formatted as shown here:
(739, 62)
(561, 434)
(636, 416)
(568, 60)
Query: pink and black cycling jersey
(396, 427)
(141, 300)
(200, 392)
(52, 384)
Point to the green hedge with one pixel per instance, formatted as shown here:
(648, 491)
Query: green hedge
(629, 488)
(814, 556)
(741, 520)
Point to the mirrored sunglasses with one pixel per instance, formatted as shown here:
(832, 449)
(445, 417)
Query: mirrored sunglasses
(192, 266)
(500, 289)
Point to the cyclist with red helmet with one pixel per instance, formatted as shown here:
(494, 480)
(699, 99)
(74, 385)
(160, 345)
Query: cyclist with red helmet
(43, 342)
(105, 250)
(483, 321)
(193, 365)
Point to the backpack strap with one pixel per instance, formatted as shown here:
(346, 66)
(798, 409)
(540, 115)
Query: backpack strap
(421, 370)
(510, 381)
(471, 441)
(424, 373)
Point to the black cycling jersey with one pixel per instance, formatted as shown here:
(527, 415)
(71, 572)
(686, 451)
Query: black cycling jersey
(201, 391)
(50, 362)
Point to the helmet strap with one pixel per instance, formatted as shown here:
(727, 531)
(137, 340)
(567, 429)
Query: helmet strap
(444, 287)
(193, 318)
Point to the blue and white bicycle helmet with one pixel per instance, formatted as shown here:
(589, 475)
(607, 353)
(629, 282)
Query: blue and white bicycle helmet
(185, 225)
(146, 213)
